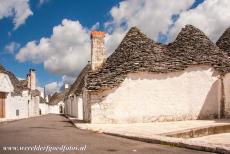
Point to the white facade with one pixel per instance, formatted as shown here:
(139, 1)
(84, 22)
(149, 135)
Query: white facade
(44, 108)
(194, 93)
(74, 107)
(20, 106)
(5, 85)
(55, 109)
(17, 106)
(226, 105)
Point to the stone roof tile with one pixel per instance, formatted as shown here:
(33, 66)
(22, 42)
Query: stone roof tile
(138, 53)
(224, 41)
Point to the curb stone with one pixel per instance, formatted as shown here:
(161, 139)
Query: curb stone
(14, 120)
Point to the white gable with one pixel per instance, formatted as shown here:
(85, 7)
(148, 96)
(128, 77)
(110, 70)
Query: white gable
(5, 83)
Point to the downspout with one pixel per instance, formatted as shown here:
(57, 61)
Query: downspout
(222, 100)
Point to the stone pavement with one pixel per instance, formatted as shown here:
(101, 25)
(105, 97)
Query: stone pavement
(48, 134)
(154, 133)
(221, 139)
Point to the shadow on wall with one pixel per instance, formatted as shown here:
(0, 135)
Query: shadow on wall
(168, 75)
(209, 110)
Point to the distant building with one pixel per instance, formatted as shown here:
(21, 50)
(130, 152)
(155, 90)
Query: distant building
(56, 103)
(144, 81)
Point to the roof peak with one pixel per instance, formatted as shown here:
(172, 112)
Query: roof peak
(191, 34)
(192, 30)
(2, 67)
(224, 41)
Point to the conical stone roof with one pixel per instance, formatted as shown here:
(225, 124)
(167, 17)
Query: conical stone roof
(224, 41)
(19, 86)
(138, 53)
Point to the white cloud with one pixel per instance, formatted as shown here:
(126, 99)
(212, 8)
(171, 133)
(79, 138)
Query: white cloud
(95, 26)
(58, 86)
(151, 16)
(66, 52)
(68, 79)
(212, 17)
(18, 9)
(41, 2)
(12, 47)
(53, 87)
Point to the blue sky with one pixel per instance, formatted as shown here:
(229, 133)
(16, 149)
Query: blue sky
(159, 19)
(40, 24)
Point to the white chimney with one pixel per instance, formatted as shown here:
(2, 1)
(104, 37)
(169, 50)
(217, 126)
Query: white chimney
(97, 49)
(42, 94)
(66, 86)
(47, 98)
(31, 78)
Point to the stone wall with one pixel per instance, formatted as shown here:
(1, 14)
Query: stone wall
(194, 93)
(97, 49)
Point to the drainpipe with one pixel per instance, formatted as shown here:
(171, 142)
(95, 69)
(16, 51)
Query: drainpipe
(28, 108)
(222, 99)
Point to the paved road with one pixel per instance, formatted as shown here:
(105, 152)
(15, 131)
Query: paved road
(56, 130)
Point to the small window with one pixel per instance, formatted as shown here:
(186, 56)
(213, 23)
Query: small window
(17, 112)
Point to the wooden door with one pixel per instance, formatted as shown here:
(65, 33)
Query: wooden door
(2, 105)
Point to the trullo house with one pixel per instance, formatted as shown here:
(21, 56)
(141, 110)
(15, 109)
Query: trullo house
(56, 104)
(18, 98)
(145, 81)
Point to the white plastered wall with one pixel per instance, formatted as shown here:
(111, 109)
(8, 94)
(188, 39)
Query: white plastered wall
(5, 83)
(226, 83)
(74, 107)
(44, 108)
(146, 97)
(13, 103)
(80, 108)
(56, 108)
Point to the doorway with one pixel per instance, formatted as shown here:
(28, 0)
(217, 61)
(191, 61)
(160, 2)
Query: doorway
(61, 110)
(2, 105)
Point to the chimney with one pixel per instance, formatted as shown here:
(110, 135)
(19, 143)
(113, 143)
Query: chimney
(97, 49)
(47, 98)
(66, 86)
(31, 78)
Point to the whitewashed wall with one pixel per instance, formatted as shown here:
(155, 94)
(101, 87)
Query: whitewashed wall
(34, 106)
(146, 97)
(55, 108)
(20, 102)
(226, 82)
(68, 106)
(44, 108)
(74, 107)
(13, 103)
(79, 108)
(5, 83)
